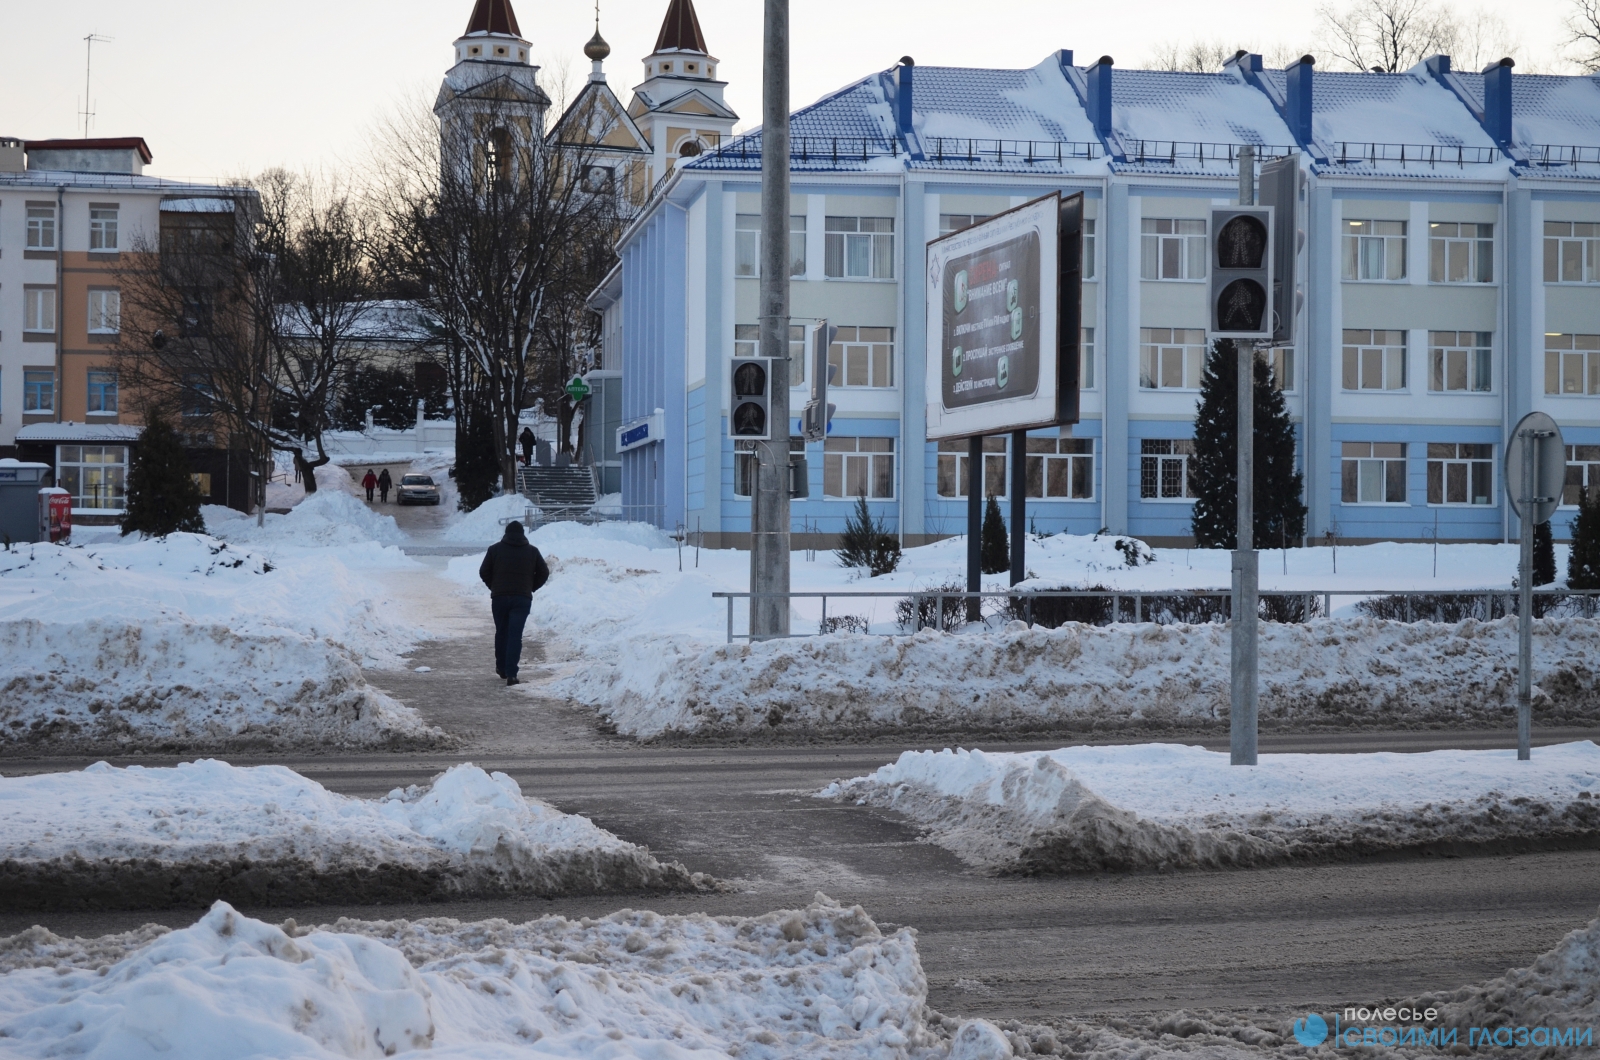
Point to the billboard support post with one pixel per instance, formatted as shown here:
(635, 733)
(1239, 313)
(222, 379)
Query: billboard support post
(1535, 474)
(1019, 505)
(974, 525)
(1242, 714)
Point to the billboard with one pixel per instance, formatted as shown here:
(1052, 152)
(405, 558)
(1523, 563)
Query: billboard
(1004, 319)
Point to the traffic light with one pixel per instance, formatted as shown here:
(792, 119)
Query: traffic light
(1241, 272)
(1283, 188)
(750, 415)
(818, 417)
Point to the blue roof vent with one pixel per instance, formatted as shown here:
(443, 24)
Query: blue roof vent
(1297, 103)
(903, 94)
(1099, 79)
(1497, 101)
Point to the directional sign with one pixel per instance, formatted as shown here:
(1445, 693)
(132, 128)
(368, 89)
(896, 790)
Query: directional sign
(1538, 430)
(577, 389)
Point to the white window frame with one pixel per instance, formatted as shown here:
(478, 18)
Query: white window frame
(1460, 252)
(72, 472)
(745, 465)
(858, 248)
(955, 222)
(1171, 354)
(1583, 472)
(42, 229)
(1369, 463)
(1575, 242)
(1086, 360)
(1379, 357)
(871, 358)
(747, 245)
(1088, 247)
(1566, 353)
(39, 310)
(102, 227)
(840, 465)
(1172, 249)
(1072, 458)
(1369, 243)
(1474, 465)
(1159, 459)
(747, 343)
(105, 311)
(1451, 359)
(951, 468)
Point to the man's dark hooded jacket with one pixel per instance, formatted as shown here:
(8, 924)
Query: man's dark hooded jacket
(512, 566)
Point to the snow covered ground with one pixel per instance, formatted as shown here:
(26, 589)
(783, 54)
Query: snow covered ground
(126, 838)
(1165, 806)
(644, 644)
(819, 982)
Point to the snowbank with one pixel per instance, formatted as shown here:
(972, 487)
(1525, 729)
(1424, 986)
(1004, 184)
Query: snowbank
(326, 517)
(818, 982)
(1164, 806)
(151, 837)
(485, 524)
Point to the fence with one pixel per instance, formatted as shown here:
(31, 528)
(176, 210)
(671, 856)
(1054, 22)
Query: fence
(927, 608)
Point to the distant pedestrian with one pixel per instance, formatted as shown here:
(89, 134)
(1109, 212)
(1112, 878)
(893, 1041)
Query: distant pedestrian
(513, 570)
(369, 484)
(526, 438)
(385, 484)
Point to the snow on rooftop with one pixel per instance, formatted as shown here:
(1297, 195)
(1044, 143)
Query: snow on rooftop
(1555, 110)
(1205, 108)
(78, 432)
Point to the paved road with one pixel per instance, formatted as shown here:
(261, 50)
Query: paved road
(1264, 942)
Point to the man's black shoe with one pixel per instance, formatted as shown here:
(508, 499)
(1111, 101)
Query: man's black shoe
(513, 681)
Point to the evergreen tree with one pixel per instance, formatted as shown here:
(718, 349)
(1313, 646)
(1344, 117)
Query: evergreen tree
(1279, 515)
(1544, 554)
(477, 470)
(994, 551)
(162, 495)
(866, 542)
(1583, 562)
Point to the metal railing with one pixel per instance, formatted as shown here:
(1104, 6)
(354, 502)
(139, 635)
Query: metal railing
(1551, 155)
(1172, 151)
(745, 152)
(1156, 605)
(955, 149)
(1349, 154)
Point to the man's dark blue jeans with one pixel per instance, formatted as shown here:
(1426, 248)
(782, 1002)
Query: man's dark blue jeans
(510, 615)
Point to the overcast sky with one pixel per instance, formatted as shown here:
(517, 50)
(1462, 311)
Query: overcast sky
(228, 87)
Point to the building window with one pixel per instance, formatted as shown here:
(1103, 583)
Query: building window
(1171, 358)
(102, 396)
(955, 222)
(745, 466)
(747, 343)
(953, 467)
(1374, 359)
(105, 312)
(95, 475)
(1460, 360)
(862, 357)
(1164, 469)
(747, 244)
(1374, 250)
(1088, 248)
(1460, 253)
(1061, 468)
(858, 467)
(41, 228)
(1571, 252)
(38, 390)
(1571, 364)
(102, 228)
(1086, 360)
(1281, 360)
(1583, 473)
(197, 399)
(39, 309)
(1372, 472)
(1172, 249)
(1460, 473)
(860, 248)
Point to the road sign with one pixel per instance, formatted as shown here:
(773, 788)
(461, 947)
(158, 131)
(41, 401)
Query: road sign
(1549, 466)
(578, 389)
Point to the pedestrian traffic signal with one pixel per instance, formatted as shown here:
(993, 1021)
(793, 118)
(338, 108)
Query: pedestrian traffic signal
(1241, 272)
(750, 416)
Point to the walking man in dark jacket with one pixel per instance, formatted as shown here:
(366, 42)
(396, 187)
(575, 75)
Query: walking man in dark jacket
(526, 438)
(513, 570)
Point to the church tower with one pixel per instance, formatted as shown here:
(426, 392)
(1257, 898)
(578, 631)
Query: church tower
(598, 134)
(491, 109)
(680, 106)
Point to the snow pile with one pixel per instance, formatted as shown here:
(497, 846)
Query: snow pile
(818, 982)
(486, 523)
(1560, 989)
(1164, 806)
(150, 837)
(189, 642)
(326, 517)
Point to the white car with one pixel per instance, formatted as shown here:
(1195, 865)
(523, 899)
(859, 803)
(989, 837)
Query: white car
(417, 489)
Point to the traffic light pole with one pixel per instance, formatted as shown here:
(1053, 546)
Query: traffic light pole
(1530, 450)
(1242, 711)
(769, 510)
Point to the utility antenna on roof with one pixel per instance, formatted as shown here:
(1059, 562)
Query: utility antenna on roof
(88, 54)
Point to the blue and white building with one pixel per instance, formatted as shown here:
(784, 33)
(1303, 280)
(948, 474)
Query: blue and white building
(1451, 270)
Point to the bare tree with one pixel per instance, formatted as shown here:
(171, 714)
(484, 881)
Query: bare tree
(1583, 29)
(1385, 35)
(1474, 39)
(1200, 57)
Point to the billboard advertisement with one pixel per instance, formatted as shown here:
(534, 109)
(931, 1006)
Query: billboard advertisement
(1004, 320)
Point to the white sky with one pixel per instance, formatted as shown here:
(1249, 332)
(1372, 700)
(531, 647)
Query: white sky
(228, 87)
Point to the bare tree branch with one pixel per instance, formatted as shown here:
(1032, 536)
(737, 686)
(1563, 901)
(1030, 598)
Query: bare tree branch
(1583, 27)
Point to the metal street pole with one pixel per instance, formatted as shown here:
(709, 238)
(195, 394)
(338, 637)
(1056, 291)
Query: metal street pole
(1246, 567)
(1019, 505)
(769, 514)
(974, 527)
(1530, 450)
